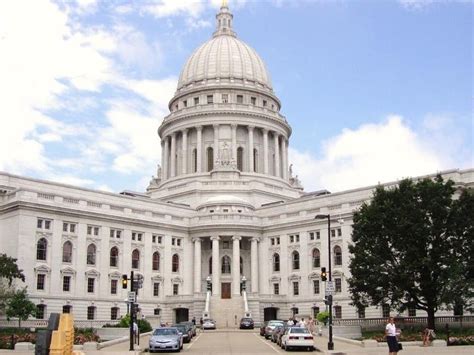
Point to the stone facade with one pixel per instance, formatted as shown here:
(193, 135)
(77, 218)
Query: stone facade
(224, 198)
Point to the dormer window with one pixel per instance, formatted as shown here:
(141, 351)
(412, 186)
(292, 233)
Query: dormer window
(240, 99)
(253, 100)
(210, 99)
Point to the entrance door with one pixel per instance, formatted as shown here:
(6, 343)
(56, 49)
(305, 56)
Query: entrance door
(225, 290)
(182, 315)
(270, 313)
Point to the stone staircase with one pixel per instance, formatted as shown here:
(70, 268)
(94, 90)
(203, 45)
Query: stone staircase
(227, 312)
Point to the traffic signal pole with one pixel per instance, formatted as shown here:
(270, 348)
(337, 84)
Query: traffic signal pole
(132, 313)
(330, 342)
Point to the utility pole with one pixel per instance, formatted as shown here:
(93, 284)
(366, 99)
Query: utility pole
(132, 312)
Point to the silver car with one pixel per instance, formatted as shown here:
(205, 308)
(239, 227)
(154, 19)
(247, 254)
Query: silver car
(209, 324)
(165, 339)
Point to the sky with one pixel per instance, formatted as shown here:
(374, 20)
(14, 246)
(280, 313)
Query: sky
(375, 91)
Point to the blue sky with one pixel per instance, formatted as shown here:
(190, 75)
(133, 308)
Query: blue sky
(374, 90)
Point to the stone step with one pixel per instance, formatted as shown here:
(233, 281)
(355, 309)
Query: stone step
(227, 312)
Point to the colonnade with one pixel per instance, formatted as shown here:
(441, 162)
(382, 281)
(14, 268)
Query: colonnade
(170, 157)
(235, 269)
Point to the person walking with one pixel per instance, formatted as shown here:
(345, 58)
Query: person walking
(391, 335)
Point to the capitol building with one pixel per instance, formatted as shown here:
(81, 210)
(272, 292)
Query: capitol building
(224, 207)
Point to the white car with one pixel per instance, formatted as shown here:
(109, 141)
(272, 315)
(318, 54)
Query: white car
(296, 337)
(209, 324)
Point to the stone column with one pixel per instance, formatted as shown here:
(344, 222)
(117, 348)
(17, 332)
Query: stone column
(199, 149)
(284, 158)
(236, 265)
(234, 141)
(197, 265)
(251, 163)
(162, 160)
(277, 155)
(173, 155)
(216, 143)
(265, 151)
(254, 264)
(215, 266)
(184, 150)
(166, 158)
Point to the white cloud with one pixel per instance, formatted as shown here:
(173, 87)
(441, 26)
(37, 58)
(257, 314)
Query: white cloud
(370, 154)
(164, 8)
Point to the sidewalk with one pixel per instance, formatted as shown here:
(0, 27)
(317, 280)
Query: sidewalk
(343, 348)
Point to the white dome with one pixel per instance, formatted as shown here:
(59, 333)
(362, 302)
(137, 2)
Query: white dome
(224, 58)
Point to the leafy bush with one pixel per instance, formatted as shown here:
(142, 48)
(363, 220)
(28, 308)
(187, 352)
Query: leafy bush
(143, 324)
(323, 317)
(85, 335)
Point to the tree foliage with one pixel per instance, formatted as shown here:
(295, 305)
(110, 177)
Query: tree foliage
(9, 269)
(413, 247)
(19, 306)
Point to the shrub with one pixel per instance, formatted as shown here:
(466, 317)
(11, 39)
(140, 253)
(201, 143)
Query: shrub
(323, 317)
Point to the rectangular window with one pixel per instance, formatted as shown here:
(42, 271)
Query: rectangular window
(42, 223)
(178, 242)
(39, 224)
(196, 101)
(273, 241)
(40, 278)
(94, 230)
(311, 235)
(210, 99)
(185, 103)
(240, 99)
(156, 312)
(67, 309)
(90, 313)
(225, 244)
(318, 235)
(253, 100)
(264, 103)
(411, 312)
(116, 233)
(113, 287)
(225, 98)
(315, 312)
(114, 313)
(339, 232)
(47, 224)
(69, 227)
(338, 285)
(385, 310)
(173, 241)
(292, 238)
(333, 232)
(134, 236)
(276, 289)
(297, 237)
(90, 285)
(278, 240)
(160, 239)
(175, 289)
(361, 312)
(65, 227)
(40, 311)
(156, 289)
(296, 288)
(153, 238)
(316, 287)
(66, 283)
(337, 312)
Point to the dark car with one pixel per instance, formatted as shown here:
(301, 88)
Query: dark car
(185, 330)
(276, 331)
(192, 326)
(262, 328)
(279, 333)
(246, 323)
(270, 326)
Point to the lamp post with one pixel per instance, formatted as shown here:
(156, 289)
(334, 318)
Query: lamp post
(329, 298)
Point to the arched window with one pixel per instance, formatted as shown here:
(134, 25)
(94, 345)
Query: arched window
(240, 158)
(41, 249)
(210, 265)
(175, 263)
(316, 258)
(194, 160)
(295, 258)
(225, 268)
(210, 158)
(114, 256)
(67, 252)
(255, 160)
(337, 255)
(91, 254)
(276, 262)
(135, 259)
(156, 261)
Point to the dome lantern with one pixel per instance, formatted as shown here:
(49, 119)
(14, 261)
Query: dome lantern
(224, 22)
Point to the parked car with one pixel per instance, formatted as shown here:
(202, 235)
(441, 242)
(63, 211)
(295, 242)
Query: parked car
(246, 323)
(262, 328)
(165, 339)
(276, 331)
(192, 326)
(279, 333)
(270, 326)
(209, 324)
(296, 337)
(185, 330)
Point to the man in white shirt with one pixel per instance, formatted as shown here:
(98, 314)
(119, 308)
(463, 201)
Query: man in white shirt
(391, 335)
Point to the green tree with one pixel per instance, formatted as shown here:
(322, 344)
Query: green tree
(9, 271)
(19, 306)
(413, 247)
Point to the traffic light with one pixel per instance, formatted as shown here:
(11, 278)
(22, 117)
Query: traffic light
(124, 281)
(328, 300)
(324, 275)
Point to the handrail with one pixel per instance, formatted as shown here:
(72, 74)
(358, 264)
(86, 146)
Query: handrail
(208, 301)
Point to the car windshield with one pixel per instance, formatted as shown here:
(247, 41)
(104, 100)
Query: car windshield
(165, 331)
(208, 320)
(275, 322)
(246, 320)
(299, 330)
(180, 326)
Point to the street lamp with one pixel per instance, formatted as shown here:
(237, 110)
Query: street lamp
(329, 299)
(244, 283)
(209, 283)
